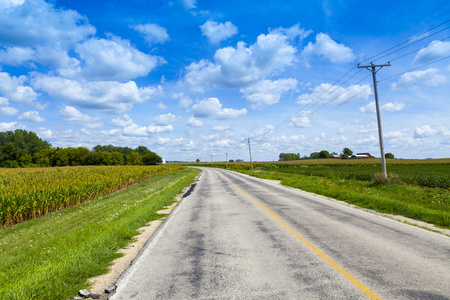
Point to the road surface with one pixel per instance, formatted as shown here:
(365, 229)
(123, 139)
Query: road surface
(239, 237)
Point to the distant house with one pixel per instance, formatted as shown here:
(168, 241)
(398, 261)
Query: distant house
(362, 155)
(335, 156)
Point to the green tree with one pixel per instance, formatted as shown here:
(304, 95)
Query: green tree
(151, 158)
(324, 154)
(314, 155)
(134, 159)
(116, 158)
(27, 141)
(289, 156)
(347, 151)
(389, 155)
(142, 150)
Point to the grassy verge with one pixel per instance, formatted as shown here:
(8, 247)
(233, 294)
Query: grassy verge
(431, 205)
(52, 257)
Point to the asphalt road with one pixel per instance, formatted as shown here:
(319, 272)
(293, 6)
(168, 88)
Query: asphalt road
(238, 237)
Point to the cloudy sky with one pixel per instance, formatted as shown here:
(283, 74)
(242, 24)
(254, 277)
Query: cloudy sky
(194, 78)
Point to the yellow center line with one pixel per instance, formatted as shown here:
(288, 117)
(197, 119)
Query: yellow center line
(277, 218)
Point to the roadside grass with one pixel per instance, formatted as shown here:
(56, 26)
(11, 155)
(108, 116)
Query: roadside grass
(431, 205)
(53, 257)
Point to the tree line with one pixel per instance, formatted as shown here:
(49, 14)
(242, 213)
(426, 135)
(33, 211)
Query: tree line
(346, 153)
(21, 148)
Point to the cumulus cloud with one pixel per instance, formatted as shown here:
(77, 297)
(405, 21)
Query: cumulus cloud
(424, 131)
(388, 107)
(31, 116)
(72, 115)
(435, 50)
(292, 32)
(242, 66)
(114, 59)
(13, 88)
(428, 77)
(108, 96)
(183, 101)
(194, 122)
(5, 109)
(327, 93)
(16, 56)
(165, 119)
(137, 130)
(10, 126)
(121, 121)
(212, 107)
(328, 49)
(267, 92)
(153, 33)
(217, 32)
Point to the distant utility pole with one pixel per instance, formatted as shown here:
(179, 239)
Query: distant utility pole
(372, 68)
(250, 151)
(226, 161)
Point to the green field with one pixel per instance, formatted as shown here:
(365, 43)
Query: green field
(418, 189)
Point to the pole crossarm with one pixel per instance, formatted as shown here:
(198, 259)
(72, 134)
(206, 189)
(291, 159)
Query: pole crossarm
(372, 66)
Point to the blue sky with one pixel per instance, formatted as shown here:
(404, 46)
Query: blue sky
(194, 79)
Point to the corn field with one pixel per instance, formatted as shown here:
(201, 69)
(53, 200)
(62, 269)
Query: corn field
(29, 193)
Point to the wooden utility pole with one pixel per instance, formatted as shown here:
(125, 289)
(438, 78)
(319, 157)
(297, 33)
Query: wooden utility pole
(372, 68)
(226, 161)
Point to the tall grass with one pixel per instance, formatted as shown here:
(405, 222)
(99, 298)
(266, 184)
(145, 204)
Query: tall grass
(29, 193)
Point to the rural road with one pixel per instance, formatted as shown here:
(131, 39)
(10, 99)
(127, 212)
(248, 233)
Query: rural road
(239, 237)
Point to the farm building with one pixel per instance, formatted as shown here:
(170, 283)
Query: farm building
(362, 155)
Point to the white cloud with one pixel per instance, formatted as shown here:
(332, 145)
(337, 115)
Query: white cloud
(242, 66)
(328, 49)
(206, 108)
(8, 111)
(32, 116)
(194, 122)
(388, 107)
(11, 3)
(72, 115)
(153, 33)
(10, 126)
(161, 106)
(135, 130)
(221, 128)
(183, 101)
(435, 50)
(327, 93)
(212, 107)
(121, 122)
(165, 119)
(13, 88)
(267, 92)
(16, 56)
(428, 77)
(301, 120)
(43, 133)
(114, 59)
(424, 131)
(37, 22)
(159, 128)
(292, 32)
(109, 96)
(217, 32)
(229, 113)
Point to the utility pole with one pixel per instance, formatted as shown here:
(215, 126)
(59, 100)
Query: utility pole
(250, 151)
(372, 68)
(226, 161)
